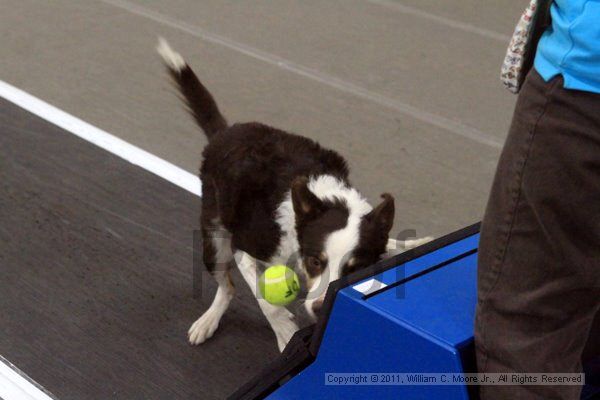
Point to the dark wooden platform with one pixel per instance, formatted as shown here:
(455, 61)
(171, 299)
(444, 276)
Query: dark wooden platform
(96, 276)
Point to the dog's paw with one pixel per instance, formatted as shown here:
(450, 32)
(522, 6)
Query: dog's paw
(411, 244)
(395, 247)
(204, 327)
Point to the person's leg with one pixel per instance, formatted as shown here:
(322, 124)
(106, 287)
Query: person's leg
(539, 253)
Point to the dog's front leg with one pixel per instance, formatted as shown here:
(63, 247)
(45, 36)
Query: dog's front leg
(281, 320)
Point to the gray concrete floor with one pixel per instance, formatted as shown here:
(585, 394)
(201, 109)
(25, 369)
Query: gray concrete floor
(407, 90)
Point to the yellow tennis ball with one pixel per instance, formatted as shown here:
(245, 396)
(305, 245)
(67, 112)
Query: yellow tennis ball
(279, 285)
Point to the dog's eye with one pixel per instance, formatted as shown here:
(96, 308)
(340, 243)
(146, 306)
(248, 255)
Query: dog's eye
(313, 265)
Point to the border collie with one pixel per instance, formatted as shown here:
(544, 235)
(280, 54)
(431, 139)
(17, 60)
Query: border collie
(277, 198)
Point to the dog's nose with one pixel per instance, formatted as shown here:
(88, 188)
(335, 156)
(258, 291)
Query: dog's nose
(317, 305)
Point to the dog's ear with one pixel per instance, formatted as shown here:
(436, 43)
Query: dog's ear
(306, 204)
(382, 216)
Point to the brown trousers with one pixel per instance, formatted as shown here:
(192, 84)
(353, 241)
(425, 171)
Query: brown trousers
(539, 255)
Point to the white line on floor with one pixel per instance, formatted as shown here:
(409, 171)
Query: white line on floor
(100, 138)
(439, 121)
(15, 386)
(451, 23)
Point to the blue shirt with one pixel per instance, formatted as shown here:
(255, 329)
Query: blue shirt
(571, 46)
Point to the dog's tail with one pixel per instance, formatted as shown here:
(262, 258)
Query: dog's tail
(200, 102)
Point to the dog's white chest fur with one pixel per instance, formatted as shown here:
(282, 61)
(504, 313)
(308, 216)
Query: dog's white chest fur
(288, 244)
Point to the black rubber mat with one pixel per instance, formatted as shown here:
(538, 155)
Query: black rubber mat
(96, 276)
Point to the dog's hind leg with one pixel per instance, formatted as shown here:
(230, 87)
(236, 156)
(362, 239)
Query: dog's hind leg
(217, 259)
(281, 320)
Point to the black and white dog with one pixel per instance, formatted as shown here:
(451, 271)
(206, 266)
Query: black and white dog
(272, 196)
